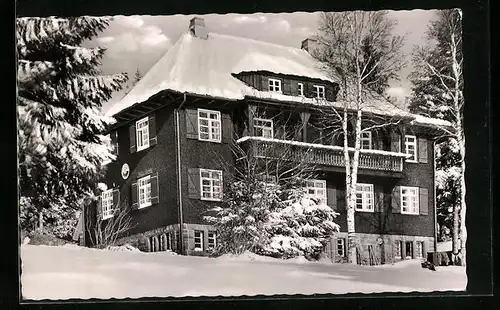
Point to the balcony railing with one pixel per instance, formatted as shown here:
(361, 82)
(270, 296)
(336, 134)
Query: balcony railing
(324, 155)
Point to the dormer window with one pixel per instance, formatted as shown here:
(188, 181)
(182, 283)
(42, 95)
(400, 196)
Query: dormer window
(300, 87)
(319, 91)
(275, 85)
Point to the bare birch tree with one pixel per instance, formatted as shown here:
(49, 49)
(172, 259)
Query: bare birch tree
(438, 83)
(343, 40)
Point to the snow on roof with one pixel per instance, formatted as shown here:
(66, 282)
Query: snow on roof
(206, 67)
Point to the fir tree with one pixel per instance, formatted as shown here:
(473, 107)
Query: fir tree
(60, 93)
(137, 76)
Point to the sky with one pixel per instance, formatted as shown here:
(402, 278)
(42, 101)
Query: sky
(137, 42)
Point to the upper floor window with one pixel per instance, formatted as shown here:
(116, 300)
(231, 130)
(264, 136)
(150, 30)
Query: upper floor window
(364, 197)
(209, 125)
(211, 184)
(319, 91)
(144, 186)
(142, 133)
(263, 127)
(107, 204)
(411, 147)
(409, 200)
(275, 85)
(316, 189)
(300, 87)
(366, 140)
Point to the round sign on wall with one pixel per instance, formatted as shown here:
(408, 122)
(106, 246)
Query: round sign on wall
(380, 240)
(125, 171)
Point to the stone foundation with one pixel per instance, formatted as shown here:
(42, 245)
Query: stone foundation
(383, 248)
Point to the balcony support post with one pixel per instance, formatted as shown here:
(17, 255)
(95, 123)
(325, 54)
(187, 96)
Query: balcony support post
(304, 116)
(250, 111)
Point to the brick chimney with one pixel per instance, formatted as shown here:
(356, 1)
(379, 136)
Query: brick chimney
(310, 45)
(197, 28)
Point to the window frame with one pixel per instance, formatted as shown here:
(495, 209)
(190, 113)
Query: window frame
(211, 135)
(146, 185)
(211, 180)
(142, 143)
(414, 157)
(365, 197)
(271, 83)
(316, 91)
(106, 206)
(300, 87)
(341, 245)
(262, 127)
(201, 241)
(364, 139)
(211, 236)
(315, 189)
(419, 249)
(399, 244)
(414, 210)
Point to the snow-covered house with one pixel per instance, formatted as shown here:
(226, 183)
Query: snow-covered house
(175, 127)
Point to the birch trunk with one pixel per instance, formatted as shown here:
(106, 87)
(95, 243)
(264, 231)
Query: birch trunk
(350, 196)
(463, 229)
(40, 221)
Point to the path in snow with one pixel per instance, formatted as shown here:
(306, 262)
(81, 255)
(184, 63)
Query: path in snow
(75, 272)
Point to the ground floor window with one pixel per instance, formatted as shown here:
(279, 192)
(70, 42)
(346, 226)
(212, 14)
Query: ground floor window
(168, 241)
(212, 242)
(397, 249)
(409, 250)
(419, 251)
(341, 247)
(153, 242)
(198, 240)
(161, 245)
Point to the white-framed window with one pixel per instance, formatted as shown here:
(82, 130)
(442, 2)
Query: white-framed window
(409, 200)
(144, 187)
(212, 240)
(341, 247)
(300, 87)
(211, 184)
(364, 197)
(319, 91)
(408, 250)
(275, 85)
(316, 189)
(198, 240)
(411, 148)
(397, 248)
(107, 204)
(263, 127)
(366, 140)
(419, 251)
(142, 133)
(209, 125)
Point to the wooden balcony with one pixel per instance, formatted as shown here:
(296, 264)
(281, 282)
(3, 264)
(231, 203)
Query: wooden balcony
(322, 155)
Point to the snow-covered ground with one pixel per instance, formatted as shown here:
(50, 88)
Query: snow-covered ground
(64, 272)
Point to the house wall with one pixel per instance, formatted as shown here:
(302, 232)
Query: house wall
(159, 158)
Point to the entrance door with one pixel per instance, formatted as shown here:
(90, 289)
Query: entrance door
(409, 249)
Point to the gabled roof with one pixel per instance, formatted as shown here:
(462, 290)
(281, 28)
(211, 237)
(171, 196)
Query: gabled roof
(206, 67)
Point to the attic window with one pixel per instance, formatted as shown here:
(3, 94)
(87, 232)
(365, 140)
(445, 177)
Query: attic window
(275, 85)
(319, 92)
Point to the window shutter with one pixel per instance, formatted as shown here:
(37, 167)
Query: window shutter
(227, 128)
(379, 201)
(331, 197)
(152, 131)
(287, 87)
(134, 193)
(132, 134)
(308, 90)
(194, 183)
(395, 142)
(264, 83)
(116, 199)
(422, 151)
(423, 204)
(191, 124)
(396, 199)
(99, 208)
(153, 180)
